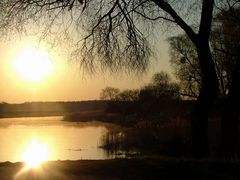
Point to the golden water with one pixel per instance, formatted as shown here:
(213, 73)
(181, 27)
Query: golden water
(63, 140)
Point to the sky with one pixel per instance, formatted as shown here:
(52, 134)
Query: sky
(65, 81)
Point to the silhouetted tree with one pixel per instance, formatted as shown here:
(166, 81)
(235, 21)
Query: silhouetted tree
(159, 96)
(128, 95)
(230, 19)
(224, 43)
(162, 86)
(160, 89)
(186, 65)
(116, 38)
(109, 93)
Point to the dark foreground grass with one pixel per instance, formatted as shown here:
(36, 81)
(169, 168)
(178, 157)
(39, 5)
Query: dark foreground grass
(144, 168)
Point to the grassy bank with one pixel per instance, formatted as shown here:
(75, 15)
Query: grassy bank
(144, 168)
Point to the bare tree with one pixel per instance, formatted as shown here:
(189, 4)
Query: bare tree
(231, 115)
(128, 95)
(185, 62)
(186, 67)
(224, 42)
(115, 38)
(109, 93)
(162, 85)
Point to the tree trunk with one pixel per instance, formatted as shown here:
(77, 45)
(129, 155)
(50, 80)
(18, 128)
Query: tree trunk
(230, 116)
(207, 96)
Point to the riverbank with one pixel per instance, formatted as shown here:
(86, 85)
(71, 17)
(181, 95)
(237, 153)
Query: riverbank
(144, 168)
(102, 116)
(39, 109)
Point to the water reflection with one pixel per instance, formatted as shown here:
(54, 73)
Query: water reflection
(64, 140)
(36, 153)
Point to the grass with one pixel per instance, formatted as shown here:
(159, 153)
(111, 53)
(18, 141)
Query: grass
(170, 139)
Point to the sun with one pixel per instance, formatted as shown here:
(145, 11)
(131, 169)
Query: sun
(35, 154)
(33, 64)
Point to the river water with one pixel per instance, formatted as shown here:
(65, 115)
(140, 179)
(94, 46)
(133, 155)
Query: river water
(63, 140)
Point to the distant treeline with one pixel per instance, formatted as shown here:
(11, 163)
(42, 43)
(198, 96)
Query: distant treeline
(49, 108)
(162, 96)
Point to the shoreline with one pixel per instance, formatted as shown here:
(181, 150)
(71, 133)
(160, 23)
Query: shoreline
(31, 116)
(136, 168)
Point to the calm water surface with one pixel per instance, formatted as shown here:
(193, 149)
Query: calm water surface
(65, 140)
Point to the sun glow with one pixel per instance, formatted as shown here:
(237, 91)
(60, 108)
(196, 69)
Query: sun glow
(33, 64)
(35, 154)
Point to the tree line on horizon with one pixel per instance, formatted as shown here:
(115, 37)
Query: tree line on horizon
(161, 86)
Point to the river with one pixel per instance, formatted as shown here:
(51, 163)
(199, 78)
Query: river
(63, 140)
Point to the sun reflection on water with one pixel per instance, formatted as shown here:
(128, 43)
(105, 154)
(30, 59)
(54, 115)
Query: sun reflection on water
(35, 154)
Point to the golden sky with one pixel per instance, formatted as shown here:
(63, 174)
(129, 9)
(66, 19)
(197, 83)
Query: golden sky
(65, 82)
